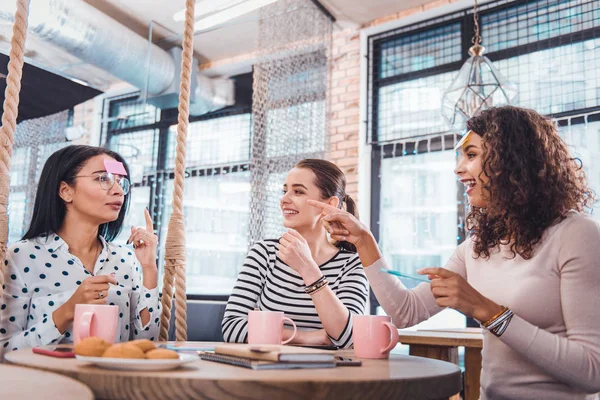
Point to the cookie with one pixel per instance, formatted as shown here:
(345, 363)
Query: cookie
(144, 344)
(124, 350)
(162, 354)
(91, 347)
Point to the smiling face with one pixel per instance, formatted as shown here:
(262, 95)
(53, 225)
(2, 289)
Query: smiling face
(470, 170)
(299, 187)
(87, 199)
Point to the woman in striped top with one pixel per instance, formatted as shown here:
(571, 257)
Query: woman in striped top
(277, 272)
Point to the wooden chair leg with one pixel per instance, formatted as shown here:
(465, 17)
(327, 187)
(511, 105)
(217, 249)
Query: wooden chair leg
(472, 372)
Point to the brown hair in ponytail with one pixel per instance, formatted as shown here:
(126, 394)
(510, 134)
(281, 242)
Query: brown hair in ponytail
(331, 181)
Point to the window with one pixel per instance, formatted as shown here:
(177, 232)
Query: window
(35, 141)
(549, 48)
(217, 185)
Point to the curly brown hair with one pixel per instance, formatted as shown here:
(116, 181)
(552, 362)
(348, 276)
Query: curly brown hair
(532, 180)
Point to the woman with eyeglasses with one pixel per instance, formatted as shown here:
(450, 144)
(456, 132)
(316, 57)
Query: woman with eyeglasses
(67, 258)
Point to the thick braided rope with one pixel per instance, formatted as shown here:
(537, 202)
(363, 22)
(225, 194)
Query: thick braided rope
(167, 301)
(175, 243)
(9, 120)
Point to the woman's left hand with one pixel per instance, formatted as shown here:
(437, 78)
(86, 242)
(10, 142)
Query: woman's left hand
(452, 290)
(294, 251)
(145, 243)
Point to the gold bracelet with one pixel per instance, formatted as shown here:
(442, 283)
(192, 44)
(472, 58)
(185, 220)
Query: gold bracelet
(319, 288)
(489, 321)
(316, 286)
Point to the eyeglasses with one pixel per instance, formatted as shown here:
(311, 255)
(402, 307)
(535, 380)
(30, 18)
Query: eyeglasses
(107, 181)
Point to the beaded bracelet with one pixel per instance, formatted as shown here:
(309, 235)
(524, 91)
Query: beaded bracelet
(312, 286)
(498, 324)
(320, 287)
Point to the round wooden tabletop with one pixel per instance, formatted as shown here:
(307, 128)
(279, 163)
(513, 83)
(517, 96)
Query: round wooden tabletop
(400, 377)
(27, 383)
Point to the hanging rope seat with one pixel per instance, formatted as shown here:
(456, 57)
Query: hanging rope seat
(175, 259)
(175, 244)
(9, 121)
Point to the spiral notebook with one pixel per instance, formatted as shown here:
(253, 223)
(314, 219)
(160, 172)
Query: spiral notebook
(261, 365)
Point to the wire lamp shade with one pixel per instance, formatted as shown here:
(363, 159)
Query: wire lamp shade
(478, 85)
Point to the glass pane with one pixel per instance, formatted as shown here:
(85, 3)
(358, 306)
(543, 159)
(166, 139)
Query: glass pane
(556, 80)
(140, 150)
(216, 210)
(417, 51)
(17, 202)
(534, 21)
(584, 143)
(19, 166)
(418, 220)
(412, 108)
(214, 141)
(129, 113)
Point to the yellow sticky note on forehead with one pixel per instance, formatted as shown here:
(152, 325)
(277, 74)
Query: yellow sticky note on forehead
(463, 140)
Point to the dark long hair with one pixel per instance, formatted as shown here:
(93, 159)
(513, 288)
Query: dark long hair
(532, 180)
(331, 181)
(62, 166)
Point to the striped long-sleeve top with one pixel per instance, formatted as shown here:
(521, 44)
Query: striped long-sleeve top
(267, 283)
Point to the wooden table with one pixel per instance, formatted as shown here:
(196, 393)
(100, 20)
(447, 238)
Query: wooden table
(27, 383)
(443, 345)
(401, 377)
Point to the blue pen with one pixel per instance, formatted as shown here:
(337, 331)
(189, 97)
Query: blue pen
(416, 278)
(184, 348)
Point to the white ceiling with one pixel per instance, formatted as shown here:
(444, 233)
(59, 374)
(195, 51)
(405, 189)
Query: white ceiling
(231, 41)
(239, 36)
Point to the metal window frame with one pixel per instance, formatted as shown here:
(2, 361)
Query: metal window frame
(166, 119)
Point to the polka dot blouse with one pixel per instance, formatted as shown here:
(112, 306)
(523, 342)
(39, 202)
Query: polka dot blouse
(40, 275)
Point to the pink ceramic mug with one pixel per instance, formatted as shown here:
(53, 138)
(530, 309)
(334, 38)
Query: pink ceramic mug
(266, 327)
(371, 334)
(98, 320)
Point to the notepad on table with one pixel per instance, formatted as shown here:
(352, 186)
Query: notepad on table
(261, 364)
(275, 353)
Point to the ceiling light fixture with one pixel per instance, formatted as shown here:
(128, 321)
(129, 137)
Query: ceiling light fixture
(218, 12)
(477, 86)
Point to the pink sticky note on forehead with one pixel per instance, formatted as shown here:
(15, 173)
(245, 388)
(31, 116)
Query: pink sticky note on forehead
(115, 167)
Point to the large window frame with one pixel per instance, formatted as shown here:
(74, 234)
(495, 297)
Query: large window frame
(443, 140)
(163, 173)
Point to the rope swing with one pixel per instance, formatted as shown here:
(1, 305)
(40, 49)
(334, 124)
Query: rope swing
(175, 242)
(9, 120)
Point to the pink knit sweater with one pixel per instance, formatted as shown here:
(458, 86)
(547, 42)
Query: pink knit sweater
(551, 349)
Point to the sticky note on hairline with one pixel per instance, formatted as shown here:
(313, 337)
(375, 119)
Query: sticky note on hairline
(462, 140)
(115, 167)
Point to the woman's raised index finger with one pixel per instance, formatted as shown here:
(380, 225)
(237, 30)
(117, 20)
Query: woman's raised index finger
(326, 208)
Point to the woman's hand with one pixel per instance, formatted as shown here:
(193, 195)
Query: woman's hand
(294, 251)
(345, 227)
(452, 290)
(309, 338)
(93, 290)
(144, 242)
(341, 225)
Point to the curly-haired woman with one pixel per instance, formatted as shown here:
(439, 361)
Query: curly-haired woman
(528, 272)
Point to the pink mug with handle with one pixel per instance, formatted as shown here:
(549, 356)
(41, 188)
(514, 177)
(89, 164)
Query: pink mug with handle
(266, 327)
(374, 336)
(98, 320)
